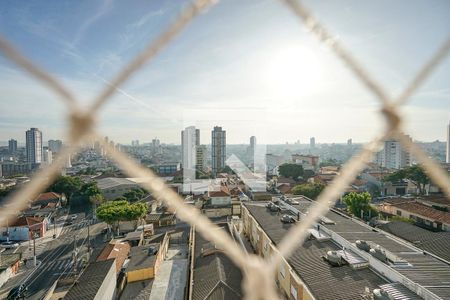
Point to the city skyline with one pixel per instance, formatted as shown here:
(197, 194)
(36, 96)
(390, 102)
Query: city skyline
(287, 75)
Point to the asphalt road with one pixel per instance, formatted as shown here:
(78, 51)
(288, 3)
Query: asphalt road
(57, 259)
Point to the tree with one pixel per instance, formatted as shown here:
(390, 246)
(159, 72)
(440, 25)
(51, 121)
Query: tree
(96, 200)
(67, 185)
(359, 204)
(310, 190)
(293, 171)
(134, 195)
(112, 212)
(89, 189)
(415, 174)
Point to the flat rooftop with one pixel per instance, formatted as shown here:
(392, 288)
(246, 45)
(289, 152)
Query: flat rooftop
(437, 243)
(324, 281)
(424, 270)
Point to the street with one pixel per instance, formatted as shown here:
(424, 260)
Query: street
(55, 258)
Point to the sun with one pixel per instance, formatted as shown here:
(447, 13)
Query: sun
(292, 72)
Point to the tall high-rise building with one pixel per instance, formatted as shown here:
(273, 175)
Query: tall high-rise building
(312, 142)
(190, 139)
(251, 151)
(47, 155)
(218, 150)
(55, 145)
(12, 146)
(155, 143)
(200, 157)
(448, 143)
(393, 156)
(34, 145)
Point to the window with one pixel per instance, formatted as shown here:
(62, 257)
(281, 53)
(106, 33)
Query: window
(399, 213)
(293, 292)
(282, 271)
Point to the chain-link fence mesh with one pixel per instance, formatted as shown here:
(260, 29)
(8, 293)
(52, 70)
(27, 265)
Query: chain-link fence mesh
(259, 280)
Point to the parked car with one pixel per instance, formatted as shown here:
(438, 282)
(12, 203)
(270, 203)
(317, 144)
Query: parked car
(9, 245)
(287, 219)
(17, 293)
(68, 222)
(104, 230)
(74, 217)
(274, 207)
(291, 201)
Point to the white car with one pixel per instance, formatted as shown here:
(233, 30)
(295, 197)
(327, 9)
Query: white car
(9, 245)
(73, 217)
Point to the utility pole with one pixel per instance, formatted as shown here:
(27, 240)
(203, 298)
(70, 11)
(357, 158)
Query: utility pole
(89, 237)
(34, 249)
(54, 227)
(74, 255)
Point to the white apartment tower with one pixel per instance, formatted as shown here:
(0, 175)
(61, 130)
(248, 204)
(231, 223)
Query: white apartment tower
(33, 139)
(47, 155)
(393, 156)
(218, 150)
(190, 139)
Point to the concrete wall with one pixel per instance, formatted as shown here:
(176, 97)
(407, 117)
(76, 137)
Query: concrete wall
(141, 274)
(287, 279)
(15, 233)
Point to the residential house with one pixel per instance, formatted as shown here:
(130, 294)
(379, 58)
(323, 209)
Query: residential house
(213, 274)
(423, 215)
(98, 281)
(24, 228)
(330, 265)
(50, 200)
(119, 251)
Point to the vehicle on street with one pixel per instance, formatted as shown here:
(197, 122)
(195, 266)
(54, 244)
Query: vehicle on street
(68, 223)
(9, 245)
(104, 230)
(74, 217)
(17, 293)
(273, 207)
(287, 219)
(291, 201)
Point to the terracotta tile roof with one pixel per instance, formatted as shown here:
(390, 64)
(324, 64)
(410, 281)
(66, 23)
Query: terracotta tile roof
(359, 182)
(48, 196)
(118, 251)
(26, 221)
(224, 192)
(425, 211)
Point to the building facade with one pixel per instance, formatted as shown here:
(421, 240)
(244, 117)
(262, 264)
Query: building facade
(34, 146)
(55, 145)
(201, 159)
(393, 156)
(12, 146)
(190, 139)
(218, 151)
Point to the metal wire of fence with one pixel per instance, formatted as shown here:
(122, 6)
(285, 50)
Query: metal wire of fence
(259, 281)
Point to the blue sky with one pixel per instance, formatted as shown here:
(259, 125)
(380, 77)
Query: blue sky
(249, 66)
